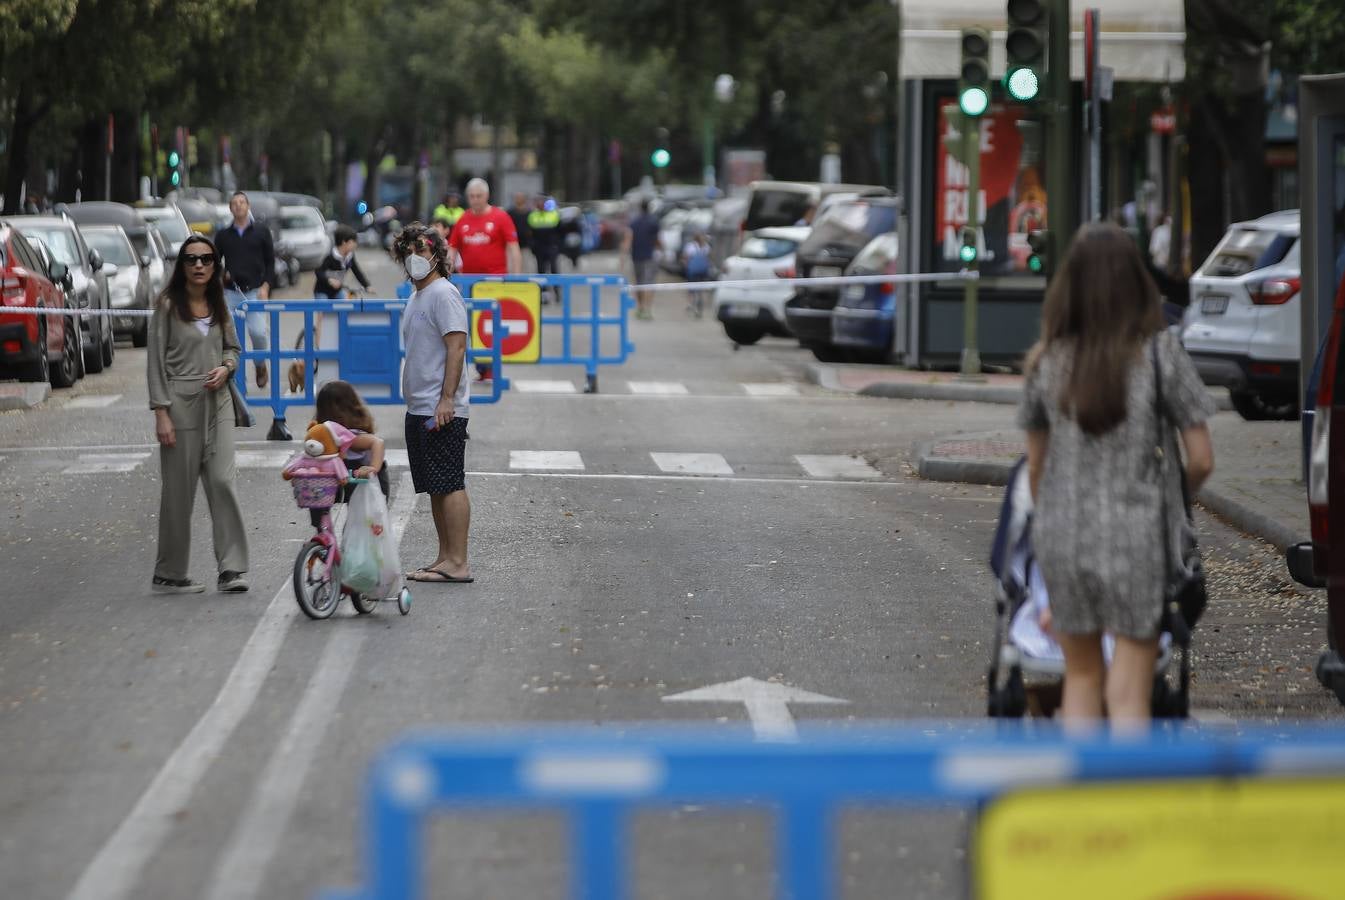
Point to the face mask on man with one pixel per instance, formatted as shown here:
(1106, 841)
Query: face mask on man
(417, 266)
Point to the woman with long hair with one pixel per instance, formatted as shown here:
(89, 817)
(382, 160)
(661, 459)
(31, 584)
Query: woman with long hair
(1092, 441)
(193, 352)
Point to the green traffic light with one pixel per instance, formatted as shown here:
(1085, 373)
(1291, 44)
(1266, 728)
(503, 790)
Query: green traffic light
(173, 160)
(660, 158)
(176, 178)
(1023, 83)
(967, 253)
(974, 101)
(1035, 264)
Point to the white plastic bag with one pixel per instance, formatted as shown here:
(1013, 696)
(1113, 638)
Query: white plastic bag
(369, 560)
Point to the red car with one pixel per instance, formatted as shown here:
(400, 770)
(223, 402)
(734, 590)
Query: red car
(35, 348)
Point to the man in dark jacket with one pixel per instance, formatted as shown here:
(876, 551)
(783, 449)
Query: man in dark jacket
(249, 267)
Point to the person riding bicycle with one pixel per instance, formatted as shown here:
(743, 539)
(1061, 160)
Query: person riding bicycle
(331, 272)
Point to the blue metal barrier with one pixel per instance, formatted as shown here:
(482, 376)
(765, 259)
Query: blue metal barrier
(370, 352)
(599, 780)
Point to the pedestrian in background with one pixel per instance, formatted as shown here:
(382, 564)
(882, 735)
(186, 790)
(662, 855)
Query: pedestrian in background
(436, 388)
(519, 213)
(449, 209)
(193, 354)
(544, 234)
(1092, 438)
(643, 244)
(249, 263)
(485, 243)
(696, 267)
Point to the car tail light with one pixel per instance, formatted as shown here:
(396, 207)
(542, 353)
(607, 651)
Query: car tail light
(1266, 369)
(1274, 291)
(11, 290)
(13, 347)
(785, 272)
(887, 288)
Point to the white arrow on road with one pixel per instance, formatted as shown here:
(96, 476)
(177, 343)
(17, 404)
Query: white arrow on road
(767, 704)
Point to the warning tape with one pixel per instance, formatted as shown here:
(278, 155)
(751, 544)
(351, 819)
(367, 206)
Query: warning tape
(825, 281)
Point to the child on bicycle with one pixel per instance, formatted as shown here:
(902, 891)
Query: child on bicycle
(340, 404)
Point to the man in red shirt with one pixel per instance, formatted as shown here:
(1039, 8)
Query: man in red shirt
(485, 242)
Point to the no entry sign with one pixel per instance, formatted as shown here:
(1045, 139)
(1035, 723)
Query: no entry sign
(520, 320)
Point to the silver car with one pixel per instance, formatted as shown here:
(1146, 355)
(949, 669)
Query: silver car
(303, 229)
(128, 277)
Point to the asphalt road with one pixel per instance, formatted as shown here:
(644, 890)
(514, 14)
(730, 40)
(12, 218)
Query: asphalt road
(215, 746)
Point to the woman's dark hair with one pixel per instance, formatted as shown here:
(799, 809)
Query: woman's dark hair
(342, 234)
(417, 235)
(1104, 306)
(339, 402)
(175, 293)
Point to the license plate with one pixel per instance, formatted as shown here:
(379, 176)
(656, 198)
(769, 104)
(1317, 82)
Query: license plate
(825, 271)
(1214, 304)
(741, 310)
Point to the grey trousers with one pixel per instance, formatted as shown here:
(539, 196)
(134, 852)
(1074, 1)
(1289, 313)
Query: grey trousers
(181, 467)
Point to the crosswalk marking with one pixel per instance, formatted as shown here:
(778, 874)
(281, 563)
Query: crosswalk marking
(544, 387)
(563, 460)
(658, 388)
(92, 401)
(771, 390)
(837, 467)
(692, 463)
(101, 463)
(276, 459)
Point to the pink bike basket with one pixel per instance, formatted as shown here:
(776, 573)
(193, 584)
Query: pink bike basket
(315, 491)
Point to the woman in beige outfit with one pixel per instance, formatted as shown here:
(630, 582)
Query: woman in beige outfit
(193, 352)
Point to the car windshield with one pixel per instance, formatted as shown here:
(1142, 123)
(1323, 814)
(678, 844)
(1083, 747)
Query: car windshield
(60, 241)
(112, 246)
(877, 253)
(766, 248)
(170, 226)
(777, 207)
(300, 219)
(1246, 250)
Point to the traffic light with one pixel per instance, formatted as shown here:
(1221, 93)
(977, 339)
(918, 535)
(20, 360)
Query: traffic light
(174, 168)
(973, 89)
(660, 158)
(1039, 242)
(1025, 48)
(968, 252)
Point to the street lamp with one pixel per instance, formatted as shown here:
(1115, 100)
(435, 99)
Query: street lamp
(725, 87)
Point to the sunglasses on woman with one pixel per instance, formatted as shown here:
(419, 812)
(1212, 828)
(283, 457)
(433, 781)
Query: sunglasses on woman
(203, 259)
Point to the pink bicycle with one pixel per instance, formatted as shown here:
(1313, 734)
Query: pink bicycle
(317, 569)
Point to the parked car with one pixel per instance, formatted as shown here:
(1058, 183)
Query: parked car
(866, 314)
(155, 249)
(35, 348)
(1320, 563)
(148, 257)
(1242, 326)
(171, 224)
(305, 231)
(128, 278)
(750, 312)
(88, 277)
(836, 239)
(726, 229)
(676, 228)
(199, 215)
(776, 203)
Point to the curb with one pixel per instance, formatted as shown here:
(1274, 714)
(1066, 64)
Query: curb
(996, 474)
(23, 395)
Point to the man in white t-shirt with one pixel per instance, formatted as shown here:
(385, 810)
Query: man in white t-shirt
(436, 388)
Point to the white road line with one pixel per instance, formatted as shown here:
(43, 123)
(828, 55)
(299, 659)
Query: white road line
(718, 479)
(565, 460)
(692, 463)
(544, 387)
(837, 467)
(102, 463)
(116, 869)
(771, 389)
(241, 868)
(263, 459)
(396, 458)
(658, 388)
(92, 401)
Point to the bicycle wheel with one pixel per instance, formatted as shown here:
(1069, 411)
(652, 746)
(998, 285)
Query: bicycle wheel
(404, 601)
(363, 604)
(318, 592)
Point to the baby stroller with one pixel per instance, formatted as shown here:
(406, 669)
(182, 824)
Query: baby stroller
(1027, 668)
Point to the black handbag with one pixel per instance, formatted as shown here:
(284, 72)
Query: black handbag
(1185, 595)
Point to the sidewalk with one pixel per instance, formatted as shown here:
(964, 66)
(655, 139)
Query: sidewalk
(1255, 486)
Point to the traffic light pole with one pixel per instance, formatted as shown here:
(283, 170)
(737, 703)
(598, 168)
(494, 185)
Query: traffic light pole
(971, 353)
(1061, 186)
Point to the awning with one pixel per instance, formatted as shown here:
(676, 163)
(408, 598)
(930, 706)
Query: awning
(1142, 40)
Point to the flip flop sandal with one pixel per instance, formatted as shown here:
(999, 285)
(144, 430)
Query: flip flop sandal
(437, 576)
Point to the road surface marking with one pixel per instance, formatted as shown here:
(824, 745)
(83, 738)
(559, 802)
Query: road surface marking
(774, 389)
(92, 401)
(544, 387)
(837, 467)
(264, 459)
(116, 869)
(718, 479)
(658, 388)
(102, 463)
(567, 460)
(767, 704)
(241, 868)
(396, 457)
(692, 463)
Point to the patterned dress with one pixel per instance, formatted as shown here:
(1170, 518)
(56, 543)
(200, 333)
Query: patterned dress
(1096, 530)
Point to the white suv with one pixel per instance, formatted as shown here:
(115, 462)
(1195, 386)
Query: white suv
(1242, 326)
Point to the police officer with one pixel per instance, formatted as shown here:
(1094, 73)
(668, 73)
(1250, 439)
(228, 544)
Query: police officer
(544, 229)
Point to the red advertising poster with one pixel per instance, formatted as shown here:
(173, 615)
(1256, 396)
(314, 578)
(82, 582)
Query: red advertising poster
(1012, 199)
